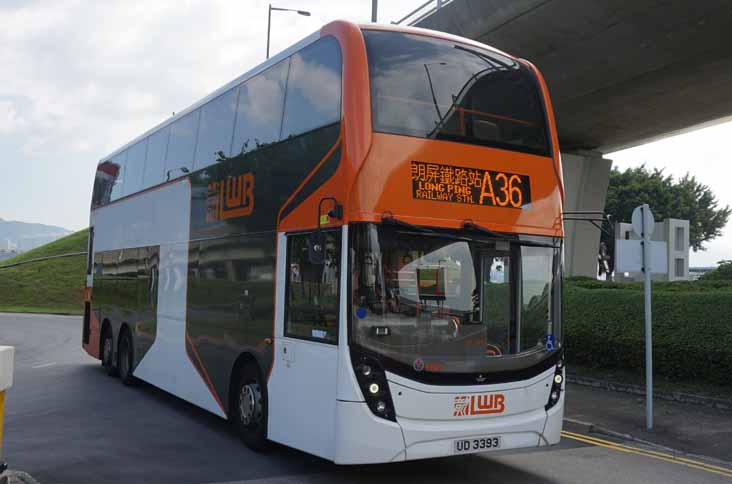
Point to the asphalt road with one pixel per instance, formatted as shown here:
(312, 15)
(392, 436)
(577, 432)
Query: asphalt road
(68, 422)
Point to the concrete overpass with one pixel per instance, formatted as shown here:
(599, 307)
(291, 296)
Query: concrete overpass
(620, 72)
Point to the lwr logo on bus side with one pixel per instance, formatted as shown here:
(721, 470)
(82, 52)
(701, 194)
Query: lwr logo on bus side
(230, 198)
(465, 405)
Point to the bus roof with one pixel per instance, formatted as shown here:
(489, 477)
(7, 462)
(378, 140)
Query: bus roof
(283, 55)
(434, 33)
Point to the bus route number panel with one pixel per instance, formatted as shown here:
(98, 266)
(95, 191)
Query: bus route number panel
(473, 186)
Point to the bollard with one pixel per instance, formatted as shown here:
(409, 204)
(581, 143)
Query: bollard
(6, 381)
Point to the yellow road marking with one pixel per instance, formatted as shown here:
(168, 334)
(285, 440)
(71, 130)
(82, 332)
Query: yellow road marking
(648, 453)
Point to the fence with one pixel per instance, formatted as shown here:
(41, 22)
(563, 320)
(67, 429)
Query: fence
(40, 259)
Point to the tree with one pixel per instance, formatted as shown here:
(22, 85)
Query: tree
(683, 199)
(723, 272)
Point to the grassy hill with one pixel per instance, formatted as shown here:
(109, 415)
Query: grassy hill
(52, 286)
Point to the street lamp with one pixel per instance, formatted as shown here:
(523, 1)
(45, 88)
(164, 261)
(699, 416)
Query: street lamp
(269, 19)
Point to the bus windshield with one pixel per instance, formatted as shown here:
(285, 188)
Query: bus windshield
(439, 303)
(434, 88)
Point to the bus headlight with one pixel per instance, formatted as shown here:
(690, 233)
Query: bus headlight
(556, 391)
(372, 380)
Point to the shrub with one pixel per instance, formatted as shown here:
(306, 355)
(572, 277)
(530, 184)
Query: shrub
(692, 328)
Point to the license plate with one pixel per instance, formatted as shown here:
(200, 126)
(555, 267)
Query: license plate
(477, 444)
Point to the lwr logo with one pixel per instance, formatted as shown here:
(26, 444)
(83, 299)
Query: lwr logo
(465, 405)
(230, 198)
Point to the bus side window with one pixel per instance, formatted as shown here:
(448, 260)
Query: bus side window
(135, 167)
(215, 130)
(181, 145)
(259, 112)
(118, 172)
(313, 88)
(155, 160)
(311, 309)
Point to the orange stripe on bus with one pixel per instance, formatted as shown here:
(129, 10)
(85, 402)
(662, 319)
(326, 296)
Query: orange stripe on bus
(310, 175)
(203, 373)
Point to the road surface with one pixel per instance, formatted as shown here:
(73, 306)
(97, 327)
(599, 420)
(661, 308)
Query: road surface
(68, 422)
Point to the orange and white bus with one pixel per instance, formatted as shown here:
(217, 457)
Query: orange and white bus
(354, 249)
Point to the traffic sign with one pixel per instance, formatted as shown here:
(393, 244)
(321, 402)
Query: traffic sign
(639, 213)
(629, 256)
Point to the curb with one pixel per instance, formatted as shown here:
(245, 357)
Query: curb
(16, 477)
(681, 397)
(596, 429)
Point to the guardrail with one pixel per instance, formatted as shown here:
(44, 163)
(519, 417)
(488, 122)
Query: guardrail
(422, 12)
(7, 354)
(40, 259)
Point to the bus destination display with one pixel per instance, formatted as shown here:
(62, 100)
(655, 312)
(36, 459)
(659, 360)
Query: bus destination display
(447, 183)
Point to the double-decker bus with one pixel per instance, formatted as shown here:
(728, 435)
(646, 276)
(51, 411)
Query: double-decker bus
(354, 249)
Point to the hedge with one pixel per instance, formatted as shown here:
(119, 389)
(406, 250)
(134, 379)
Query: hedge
(692, 328)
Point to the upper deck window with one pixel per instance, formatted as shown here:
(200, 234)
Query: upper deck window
(181, 145)
(155, 161)
(215, 129)
(435, 88)
(259, 113)
(313, 88)
(135, 167)
(118, 174)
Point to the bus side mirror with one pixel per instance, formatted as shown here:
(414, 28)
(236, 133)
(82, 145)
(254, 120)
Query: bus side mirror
(316, 248)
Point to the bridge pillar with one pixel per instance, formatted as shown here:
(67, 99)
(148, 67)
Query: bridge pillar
(586, 177)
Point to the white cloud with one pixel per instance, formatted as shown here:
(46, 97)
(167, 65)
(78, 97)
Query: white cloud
(10, 120)
(79, 78)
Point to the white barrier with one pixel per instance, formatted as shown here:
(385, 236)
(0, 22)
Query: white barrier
(7, 354)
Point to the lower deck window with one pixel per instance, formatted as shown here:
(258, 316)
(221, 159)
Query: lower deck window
(313, 289)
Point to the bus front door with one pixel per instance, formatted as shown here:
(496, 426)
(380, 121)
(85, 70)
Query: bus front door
(302, 387)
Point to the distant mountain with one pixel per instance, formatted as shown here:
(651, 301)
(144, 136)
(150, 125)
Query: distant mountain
(22, 236)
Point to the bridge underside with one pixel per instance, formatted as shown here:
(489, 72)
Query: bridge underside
(620, 72)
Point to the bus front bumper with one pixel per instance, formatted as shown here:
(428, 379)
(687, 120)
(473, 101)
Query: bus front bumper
(363, 438)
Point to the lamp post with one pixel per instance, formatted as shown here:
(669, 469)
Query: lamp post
(269, 19)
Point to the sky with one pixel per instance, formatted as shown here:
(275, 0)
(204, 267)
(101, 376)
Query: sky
(80, 78)
(704, 153)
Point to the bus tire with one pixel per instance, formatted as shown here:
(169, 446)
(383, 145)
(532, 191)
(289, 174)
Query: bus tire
(125, 358)
(249, 408)
(107, 352)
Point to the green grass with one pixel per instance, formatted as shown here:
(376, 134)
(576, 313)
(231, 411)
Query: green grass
(53, 286)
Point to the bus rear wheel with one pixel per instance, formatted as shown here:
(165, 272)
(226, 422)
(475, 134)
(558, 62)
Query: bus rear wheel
(107, 353)
(125, 359)
(249, 408)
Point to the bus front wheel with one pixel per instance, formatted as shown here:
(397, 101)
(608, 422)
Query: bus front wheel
(249, 408)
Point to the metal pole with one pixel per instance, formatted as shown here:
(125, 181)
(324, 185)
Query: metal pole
(649, 337)
(269, 24)
(374, 9)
